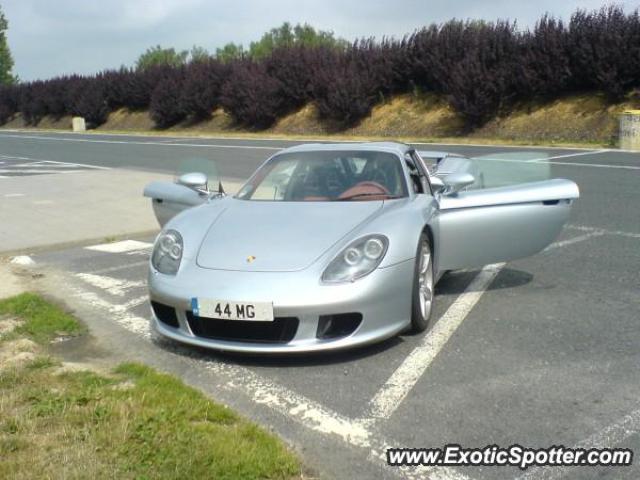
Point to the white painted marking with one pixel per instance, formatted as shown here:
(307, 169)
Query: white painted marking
(488, 145)
(22, 164)
(290, 404)
(571, 241)
(620, 233)
(136, 302)
(596, 165)
(120, 247)
(114, 286)
(3, 176)
(133, 323)
(608, 437)
(46, 164)
(23, 260)
(120, 267)
(31, 171)
(579, 154)
(571, 164)
(140, 253)
(13, 195)
(37, 162)
(378, 454)
(49, 163)
(262, 391)
(83, 165)
(158, 143)
(396, 388)
(316, 417)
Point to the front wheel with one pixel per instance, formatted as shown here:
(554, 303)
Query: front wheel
(422, 300)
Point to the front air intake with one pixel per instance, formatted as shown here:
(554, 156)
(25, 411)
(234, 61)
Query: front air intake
(165, 314)
(339, 325)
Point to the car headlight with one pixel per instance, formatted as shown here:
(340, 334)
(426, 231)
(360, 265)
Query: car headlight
(358, 259)
(167, 252)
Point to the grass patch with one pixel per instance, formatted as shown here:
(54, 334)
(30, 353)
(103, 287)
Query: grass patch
(43, 321)
(137, 423)
(133, 423)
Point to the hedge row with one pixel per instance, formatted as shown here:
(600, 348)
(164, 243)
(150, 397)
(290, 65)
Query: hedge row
(481, 67)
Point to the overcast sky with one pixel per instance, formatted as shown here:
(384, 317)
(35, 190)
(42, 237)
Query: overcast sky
(54, 37)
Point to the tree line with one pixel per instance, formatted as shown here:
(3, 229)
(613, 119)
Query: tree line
(481, 68)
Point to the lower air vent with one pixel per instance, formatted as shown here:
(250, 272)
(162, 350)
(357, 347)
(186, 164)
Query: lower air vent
(281, 330)
(336, 326)
(165, 314)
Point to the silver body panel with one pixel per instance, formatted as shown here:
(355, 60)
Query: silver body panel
(293, 242)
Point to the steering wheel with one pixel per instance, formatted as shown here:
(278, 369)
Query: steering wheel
(335, 182)
(380, 177)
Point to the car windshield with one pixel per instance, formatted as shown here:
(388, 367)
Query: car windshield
(327, 176)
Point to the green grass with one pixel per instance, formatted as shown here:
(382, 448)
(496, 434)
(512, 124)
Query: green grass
(131, 423)
(43, 321)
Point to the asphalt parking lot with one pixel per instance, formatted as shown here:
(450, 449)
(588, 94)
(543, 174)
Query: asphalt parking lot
(540, 352)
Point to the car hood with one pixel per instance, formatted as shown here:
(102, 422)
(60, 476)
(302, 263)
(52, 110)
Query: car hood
(278, 236)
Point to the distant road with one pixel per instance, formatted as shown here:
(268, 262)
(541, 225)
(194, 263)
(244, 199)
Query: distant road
(236, 158)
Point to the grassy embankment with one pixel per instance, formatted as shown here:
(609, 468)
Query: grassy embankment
(584, 119)
(131, 422)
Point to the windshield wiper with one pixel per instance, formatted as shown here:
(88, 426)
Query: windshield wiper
(358, 195)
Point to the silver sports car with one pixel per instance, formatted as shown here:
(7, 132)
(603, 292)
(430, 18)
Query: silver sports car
(332, 246)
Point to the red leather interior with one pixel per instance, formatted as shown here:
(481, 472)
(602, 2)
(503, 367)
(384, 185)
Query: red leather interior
(369, 190)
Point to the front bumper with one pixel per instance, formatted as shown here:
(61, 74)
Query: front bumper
(383, 298)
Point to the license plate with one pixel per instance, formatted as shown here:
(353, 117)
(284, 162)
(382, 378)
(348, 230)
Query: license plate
(226, 310)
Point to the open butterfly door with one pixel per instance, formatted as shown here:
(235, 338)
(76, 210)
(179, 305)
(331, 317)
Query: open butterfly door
(479, 227)
(193, 180)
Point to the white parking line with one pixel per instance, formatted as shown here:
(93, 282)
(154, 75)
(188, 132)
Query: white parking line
(579, 154)
(158, 143)
(120, 247)
(608, 437)
(570, 241)
(316, 417)
(117, 268)
(396, 388)
(378, 454)
(595, 165)
(571, 164)
(290, 404)
(84, 165)
(619, 233)
(31, 171)
(118, 313)
(357, 432)
(38, 162)
(114, 286)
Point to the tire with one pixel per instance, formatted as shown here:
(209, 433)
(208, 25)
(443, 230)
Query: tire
(422, 299)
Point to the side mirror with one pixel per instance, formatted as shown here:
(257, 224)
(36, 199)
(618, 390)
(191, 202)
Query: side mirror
(195, 181)
(437, 185)
(455, 182)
